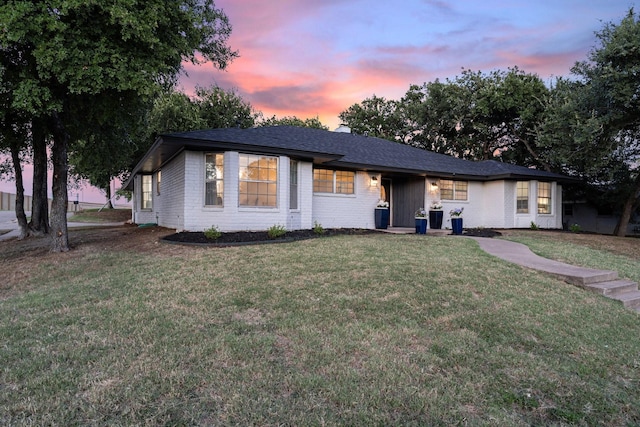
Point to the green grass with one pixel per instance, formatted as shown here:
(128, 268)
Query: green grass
(350, 330)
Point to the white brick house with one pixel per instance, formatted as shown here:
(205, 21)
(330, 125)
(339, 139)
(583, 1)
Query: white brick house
(252, 179)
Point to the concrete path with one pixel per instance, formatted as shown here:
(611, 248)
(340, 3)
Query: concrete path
(8, 221)
(604, 282)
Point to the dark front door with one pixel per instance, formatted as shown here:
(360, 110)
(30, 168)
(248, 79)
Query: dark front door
(408, 197)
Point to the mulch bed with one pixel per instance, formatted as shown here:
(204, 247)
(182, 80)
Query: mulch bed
(481, 232)
(253, 237)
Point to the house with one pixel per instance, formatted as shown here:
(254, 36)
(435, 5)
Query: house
(252, 179)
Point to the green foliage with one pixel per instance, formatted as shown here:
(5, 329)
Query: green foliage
(575, 228)
(592, 126)
(534, 226)
(294, 121)
(317, 228)
(212, 233)
(375, 116)
(86, 69)
(276, 231)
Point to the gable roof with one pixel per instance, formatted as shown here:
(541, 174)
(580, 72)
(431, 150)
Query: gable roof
(333, 149)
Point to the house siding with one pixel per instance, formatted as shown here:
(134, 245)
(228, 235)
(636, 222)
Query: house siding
(180, 204)
(348, 211)
(172, 194)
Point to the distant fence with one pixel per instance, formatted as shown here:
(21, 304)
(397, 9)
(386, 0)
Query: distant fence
(8, 203)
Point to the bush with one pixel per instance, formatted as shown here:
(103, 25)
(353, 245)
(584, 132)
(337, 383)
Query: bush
(276, 231)
(317, 228)
(534, 226)
(212, 233)
(575, 228)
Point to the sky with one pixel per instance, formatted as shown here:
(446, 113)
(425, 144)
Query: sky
(313, 58)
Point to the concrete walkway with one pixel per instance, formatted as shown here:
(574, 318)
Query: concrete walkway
(8, 221)
(604, 282)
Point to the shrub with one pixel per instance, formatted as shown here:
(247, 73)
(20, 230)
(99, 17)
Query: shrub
(317, 228)
(575, 228)
(212, 233)
(534, 226)
(276, 231)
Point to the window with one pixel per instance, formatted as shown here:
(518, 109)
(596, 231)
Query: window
(147, 192)
(522, 197)
(258, 180)
(293, 184)
(158, 181)
(544, 197)
(213, 178)
(453, 190)
(330, 181)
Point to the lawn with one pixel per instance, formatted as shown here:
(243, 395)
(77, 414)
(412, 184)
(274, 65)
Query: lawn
(346, 330)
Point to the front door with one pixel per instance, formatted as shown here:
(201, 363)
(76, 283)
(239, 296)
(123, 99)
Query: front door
(408, 197)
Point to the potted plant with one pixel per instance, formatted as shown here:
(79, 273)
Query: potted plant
(456, 220)
(382, 214)
(436, 214)
(421, 221)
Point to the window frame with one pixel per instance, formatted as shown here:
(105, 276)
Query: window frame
(146, 194)
(259, 182)
(217, 181)
(520, 197)
(342, 182)
(294, 183)
(454, 184)
(545, 195)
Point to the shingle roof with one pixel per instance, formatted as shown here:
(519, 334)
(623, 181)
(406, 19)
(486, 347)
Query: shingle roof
(335, 149)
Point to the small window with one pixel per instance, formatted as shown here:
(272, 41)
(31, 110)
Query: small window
(213, 178)
(522, 197)
(330, 181)
(258, 180)
(293, 184)
(453, 190)
(147, 192)
(544, 197)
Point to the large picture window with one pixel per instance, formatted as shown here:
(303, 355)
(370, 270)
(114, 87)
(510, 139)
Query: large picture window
(453, 190)
(213, 178)
(522, 197)
(330, 181)
(544, 197)
(147, 192)
(258, 180)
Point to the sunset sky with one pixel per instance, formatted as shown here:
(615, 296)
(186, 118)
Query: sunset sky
(313, 58)
(316, 58)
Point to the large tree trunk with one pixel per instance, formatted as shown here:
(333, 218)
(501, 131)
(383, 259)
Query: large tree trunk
(59, 155)
(621, 227)
(39, 223)
(17, 167)
(108, 190)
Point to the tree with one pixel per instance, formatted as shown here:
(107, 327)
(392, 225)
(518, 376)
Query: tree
(294, 121)
(219, 108)
(479, 116)
(100, 49)
(592, 129)
(375, 116)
